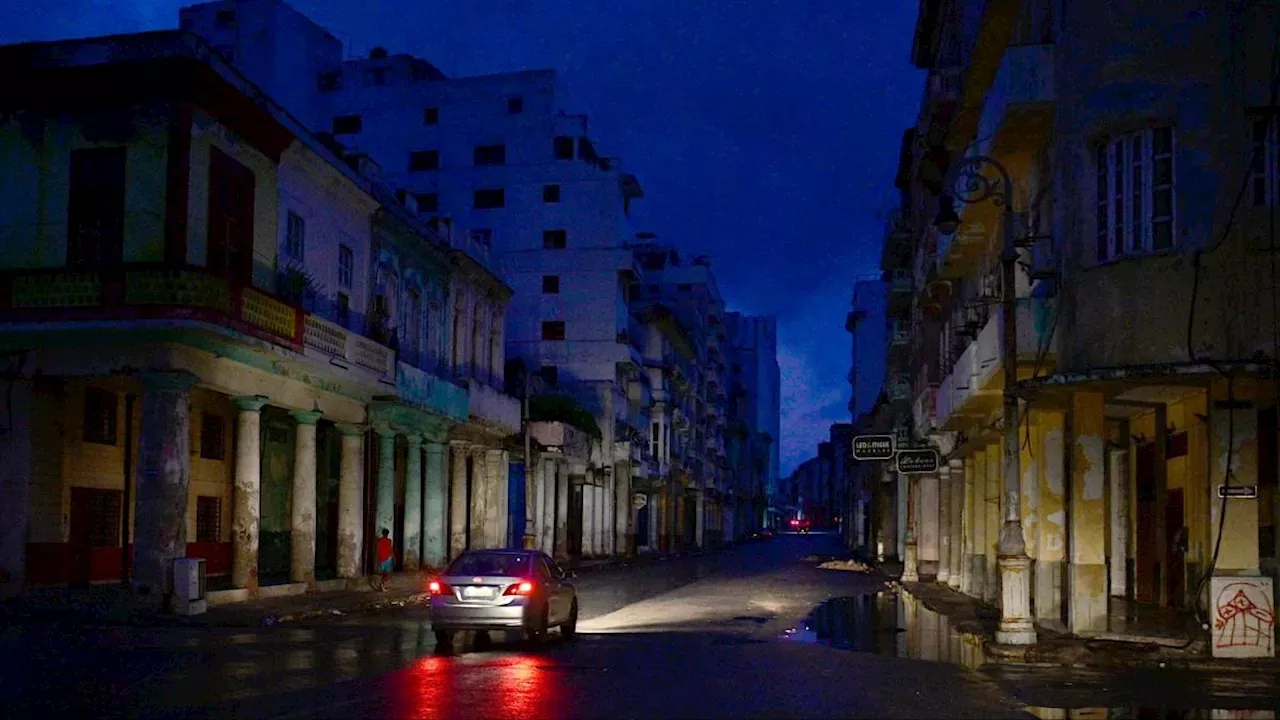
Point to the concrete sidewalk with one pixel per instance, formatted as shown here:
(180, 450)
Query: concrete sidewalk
(114, 605)
(969, 616)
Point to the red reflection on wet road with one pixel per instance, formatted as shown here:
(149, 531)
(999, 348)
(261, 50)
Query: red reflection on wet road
(520, 687)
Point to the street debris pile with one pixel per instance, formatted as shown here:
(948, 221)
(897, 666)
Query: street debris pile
(848, 565)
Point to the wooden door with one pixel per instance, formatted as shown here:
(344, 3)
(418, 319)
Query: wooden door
(1146, 553)
(94, 523)
(231, 188)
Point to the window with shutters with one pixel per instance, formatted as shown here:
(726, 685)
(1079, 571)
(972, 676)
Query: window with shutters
(208, 519)
(99, 416)
(213, 437)
(489, 199)
(553, 330)
(554, 239)
(1135, 204)
(95, 207)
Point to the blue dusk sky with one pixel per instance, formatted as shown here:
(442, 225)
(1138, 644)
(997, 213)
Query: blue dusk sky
(764, 132)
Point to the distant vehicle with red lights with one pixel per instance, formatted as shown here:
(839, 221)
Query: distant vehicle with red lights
(801, 525)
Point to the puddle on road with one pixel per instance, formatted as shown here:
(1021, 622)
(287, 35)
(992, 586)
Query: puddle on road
(1104, 713)
(888, 624)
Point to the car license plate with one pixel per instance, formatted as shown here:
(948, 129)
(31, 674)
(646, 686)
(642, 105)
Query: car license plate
(477, 592)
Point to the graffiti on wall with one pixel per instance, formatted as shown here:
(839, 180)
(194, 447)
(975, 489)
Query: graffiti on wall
(1243, 617)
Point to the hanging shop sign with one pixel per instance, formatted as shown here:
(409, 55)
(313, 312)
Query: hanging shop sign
(912, 462)
(873, 447)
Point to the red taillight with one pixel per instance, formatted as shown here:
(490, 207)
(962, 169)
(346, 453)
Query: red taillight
(795, 522)
(524, 588)
(435, 587)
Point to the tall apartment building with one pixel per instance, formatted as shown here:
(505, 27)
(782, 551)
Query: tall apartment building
(503, 172)
(1145, 326)
(754, 412)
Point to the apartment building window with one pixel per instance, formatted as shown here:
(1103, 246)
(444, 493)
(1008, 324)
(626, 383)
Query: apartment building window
(1266, 160)
(95, 209)
(230, 218)
(431, 116)
(554, 239)
(550, 284)
(550, 193)
(295, 236)
(427, 202)
(489, 199)
(489, 155)
(208, 519)
(553, 330)
(213, 437)
(420, 160)
(99, 416)
(346, 267)
(329, 81)
(374, 77)
(515, 105)
(563, 147)
(225, 19)
(343, 310)
(348, 124)
(1135, 201)
(550, 374)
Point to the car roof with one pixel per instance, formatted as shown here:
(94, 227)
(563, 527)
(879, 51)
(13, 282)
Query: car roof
(499, 551)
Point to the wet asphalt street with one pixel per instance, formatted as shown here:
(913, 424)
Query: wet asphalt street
(715, 637)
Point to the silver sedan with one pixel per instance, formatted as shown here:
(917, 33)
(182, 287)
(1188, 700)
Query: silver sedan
(503, 590)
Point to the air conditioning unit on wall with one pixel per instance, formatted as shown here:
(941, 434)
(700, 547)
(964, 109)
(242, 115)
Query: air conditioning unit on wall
(189, 586)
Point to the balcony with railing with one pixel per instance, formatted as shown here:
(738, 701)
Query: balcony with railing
(493, 409)
(974, 386)
(142, 293)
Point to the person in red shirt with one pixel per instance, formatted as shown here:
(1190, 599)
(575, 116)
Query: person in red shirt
(385, 559)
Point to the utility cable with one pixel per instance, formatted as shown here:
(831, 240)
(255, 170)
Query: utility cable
(1235, 207)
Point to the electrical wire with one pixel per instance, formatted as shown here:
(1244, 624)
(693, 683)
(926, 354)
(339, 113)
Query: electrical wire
(1235, 207)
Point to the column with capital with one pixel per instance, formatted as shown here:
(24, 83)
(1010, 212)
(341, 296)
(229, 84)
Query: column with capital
(458, 500)
(351, 501)
(163, 482)
(910, 569)
(385, 495)
(247, 496)
(302, 527)
(435, 531)
(413, 502)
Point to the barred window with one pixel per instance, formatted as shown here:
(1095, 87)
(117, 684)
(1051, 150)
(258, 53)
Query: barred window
(99, 416)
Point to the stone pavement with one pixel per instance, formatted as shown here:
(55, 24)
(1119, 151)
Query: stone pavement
(114, 605)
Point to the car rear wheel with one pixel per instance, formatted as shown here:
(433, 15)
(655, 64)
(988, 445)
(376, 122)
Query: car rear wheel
(536, 631)
(444, 638)
(570, 627)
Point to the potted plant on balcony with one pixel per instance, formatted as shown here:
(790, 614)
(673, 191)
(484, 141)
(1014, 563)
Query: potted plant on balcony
(298, 287)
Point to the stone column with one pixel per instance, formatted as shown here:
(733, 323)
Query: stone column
(927, 526)
(944, 524)
(1087, 578)
(384, 517)
(562, 514)
(435, 531)
(246, 498)
(477, 537)
(957, 524)
(991, 507)
(413, 503)
(588, 520)
(623, 513)
(16, 447)
(351, 501)
(1050, 513)
(302, 524)
(548, 507)
(497, 479)
(163, 479)
(700, 515)
(458, 500)
(910, 567)
(970, 580)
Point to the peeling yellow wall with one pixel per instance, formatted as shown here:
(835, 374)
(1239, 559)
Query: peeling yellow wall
(972, 465)
(991, 502)
(1239, 552)
(977, 495)
(1088, 479)
(1027, 483)
(1050, 466)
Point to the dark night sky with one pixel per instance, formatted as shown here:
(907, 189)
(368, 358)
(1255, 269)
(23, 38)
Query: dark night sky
(764, 132)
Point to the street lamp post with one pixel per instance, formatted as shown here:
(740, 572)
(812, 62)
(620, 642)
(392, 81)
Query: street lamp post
(970, 185)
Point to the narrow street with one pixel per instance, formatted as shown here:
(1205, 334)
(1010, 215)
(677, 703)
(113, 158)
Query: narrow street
(718, 636)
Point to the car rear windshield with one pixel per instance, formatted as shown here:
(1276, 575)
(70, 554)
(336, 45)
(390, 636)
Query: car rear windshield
(491, 564)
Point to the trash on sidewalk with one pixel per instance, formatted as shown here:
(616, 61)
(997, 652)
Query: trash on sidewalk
(848, 565)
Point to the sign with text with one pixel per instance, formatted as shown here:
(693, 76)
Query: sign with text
(1242, 492)
(912, 462)
(873, 447)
